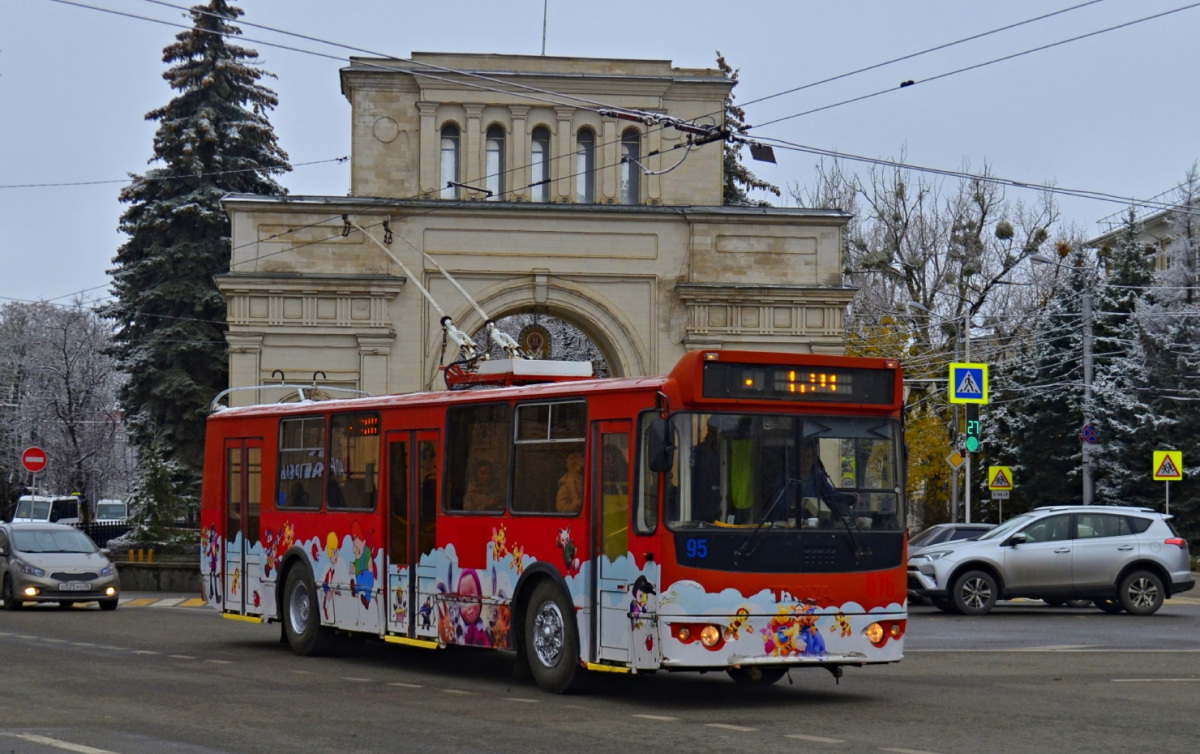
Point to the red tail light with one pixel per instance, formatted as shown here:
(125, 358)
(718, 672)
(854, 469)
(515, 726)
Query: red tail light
(1178, 542)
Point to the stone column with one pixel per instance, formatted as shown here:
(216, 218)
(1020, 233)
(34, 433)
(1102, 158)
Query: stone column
(519, 155)
(472, 169)
(245, 366)
(373, 357)
(563, 167)
(429, 151)
(608, 162)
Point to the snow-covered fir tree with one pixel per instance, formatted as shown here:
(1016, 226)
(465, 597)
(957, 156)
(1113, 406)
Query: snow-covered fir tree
(213, 138)
(1128, 422)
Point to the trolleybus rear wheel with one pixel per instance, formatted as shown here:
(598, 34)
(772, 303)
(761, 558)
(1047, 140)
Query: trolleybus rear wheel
(551, 639)
(302, 616)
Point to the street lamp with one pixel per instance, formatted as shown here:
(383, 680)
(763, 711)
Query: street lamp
(1085, 441)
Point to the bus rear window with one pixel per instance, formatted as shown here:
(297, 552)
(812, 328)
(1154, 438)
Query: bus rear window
(301, 462)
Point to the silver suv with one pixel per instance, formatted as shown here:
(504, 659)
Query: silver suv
(1122, 558)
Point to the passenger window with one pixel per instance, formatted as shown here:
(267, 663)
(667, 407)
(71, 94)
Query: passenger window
(477, 447)
(353, 461)
(1091, 525)
(549, 448)
(1049, 529)
(301, 462)
(1138, 525)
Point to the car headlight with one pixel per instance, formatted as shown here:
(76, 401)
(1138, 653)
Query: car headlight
(108, 570)
(29, 570)
(931, 556)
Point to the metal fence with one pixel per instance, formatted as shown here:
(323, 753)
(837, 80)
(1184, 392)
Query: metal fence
(102, 531)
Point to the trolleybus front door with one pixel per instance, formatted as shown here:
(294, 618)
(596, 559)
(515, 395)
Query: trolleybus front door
(614, 566)
(412, 528)
(243, 551)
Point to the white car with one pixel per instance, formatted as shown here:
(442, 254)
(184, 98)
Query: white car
(1122, 558)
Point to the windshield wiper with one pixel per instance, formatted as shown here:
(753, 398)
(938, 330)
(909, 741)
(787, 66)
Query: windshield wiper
(745, 550)
(851, 528)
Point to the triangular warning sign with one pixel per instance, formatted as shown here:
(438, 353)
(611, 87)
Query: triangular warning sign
(1000, 482)
(1167, 468)
(969, 386)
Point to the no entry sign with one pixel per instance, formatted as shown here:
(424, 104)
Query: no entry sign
(34, 460)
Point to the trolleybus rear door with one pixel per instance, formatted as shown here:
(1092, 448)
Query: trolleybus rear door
(412, 527)
(615, 569)
(243, 550)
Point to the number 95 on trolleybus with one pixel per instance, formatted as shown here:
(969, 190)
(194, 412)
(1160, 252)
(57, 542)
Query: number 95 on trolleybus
(743, 513)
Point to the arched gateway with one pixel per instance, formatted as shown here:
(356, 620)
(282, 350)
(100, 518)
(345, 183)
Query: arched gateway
(530, 207)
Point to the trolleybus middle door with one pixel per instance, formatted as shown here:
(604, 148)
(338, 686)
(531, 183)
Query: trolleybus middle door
(412, 528)
(614, 566)
(243, 551)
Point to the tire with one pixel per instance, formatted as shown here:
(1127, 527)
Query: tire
(765, 676)
(974, 593)
(1108, 605)
(551, 639)
(10, 600)
(302, 616)
(108, 604)
(1141, 593)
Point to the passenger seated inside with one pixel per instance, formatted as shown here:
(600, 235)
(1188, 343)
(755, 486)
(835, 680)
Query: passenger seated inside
(484, 492)
(570, 486)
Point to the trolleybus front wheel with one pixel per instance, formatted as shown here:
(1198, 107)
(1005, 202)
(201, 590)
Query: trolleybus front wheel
(551, 639)
(302, 616)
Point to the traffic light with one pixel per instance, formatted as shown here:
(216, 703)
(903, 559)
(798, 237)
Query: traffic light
(974, 428)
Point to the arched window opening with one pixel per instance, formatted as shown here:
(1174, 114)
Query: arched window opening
(631, 172)
(540, 191)
(450, 161)
(585, 167)
(495, 163)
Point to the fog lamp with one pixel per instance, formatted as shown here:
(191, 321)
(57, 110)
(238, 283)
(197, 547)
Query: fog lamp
(874, 633)
(31, 591)
(710, 635)
(110, 591)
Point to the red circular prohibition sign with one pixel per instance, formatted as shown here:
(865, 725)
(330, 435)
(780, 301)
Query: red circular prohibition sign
(34, 460)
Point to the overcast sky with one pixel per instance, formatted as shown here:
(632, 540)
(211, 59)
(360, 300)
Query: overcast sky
(1114, 113)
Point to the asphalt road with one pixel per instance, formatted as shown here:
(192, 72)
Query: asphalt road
(155, 676)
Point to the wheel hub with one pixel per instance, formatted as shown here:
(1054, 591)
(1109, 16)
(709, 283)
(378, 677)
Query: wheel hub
(548, 634)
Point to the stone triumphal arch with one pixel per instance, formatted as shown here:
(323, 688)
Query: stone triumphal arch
(613, 225)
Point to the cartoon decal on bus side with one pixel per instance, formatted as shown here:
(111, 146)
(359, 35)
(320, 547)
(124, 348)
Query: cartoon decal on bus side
(470, 606)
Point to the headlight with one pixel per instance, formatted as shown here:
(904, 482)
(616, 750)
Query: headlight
(29, 570)
(936, 555)
(874, 633)
(108, 570)
(709, 636)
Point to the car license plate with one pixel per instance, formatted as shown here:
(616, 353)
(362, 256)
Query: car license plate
(74, 586)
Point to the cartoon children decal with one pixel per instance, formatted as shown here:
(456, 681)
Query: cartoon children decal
(567, 545)
(426, 613)
(638, 606)
(327, 587)
(212, 550)
(470, 593)
(740, 621)
(793, 631)
(362, 569)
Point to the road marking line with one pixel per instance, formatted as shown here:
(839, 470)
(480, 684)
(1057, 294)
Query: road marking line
(57, 744)
(145, 652)
(519, 699)
(193, 602)
(82, 644)
(137, 603)
(167, 602)
(726, 726)
(305, 672)
(908, 751)
(1156, 680)
(220, 662)
(456, 691)
(357, 680)
(182, 657)
(660, 718)
(25, 636)
(816, 739)
(407, 685)
(48, 640)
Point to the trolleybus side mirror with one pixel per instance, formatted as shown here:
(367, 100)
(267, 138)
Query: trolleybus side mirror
(660, 450)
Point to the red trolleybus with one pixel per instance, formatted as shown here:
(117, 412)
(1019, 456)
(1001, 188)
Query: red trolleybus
(743, 513)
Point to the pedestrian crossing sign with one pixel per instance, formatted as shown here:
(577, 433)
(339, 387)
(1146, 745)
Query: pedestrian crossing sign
(1168, 465)
(1000, 478)
(968, 383)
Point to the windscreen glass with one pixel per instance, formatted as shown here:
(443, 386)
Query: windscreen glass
(747, 470)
